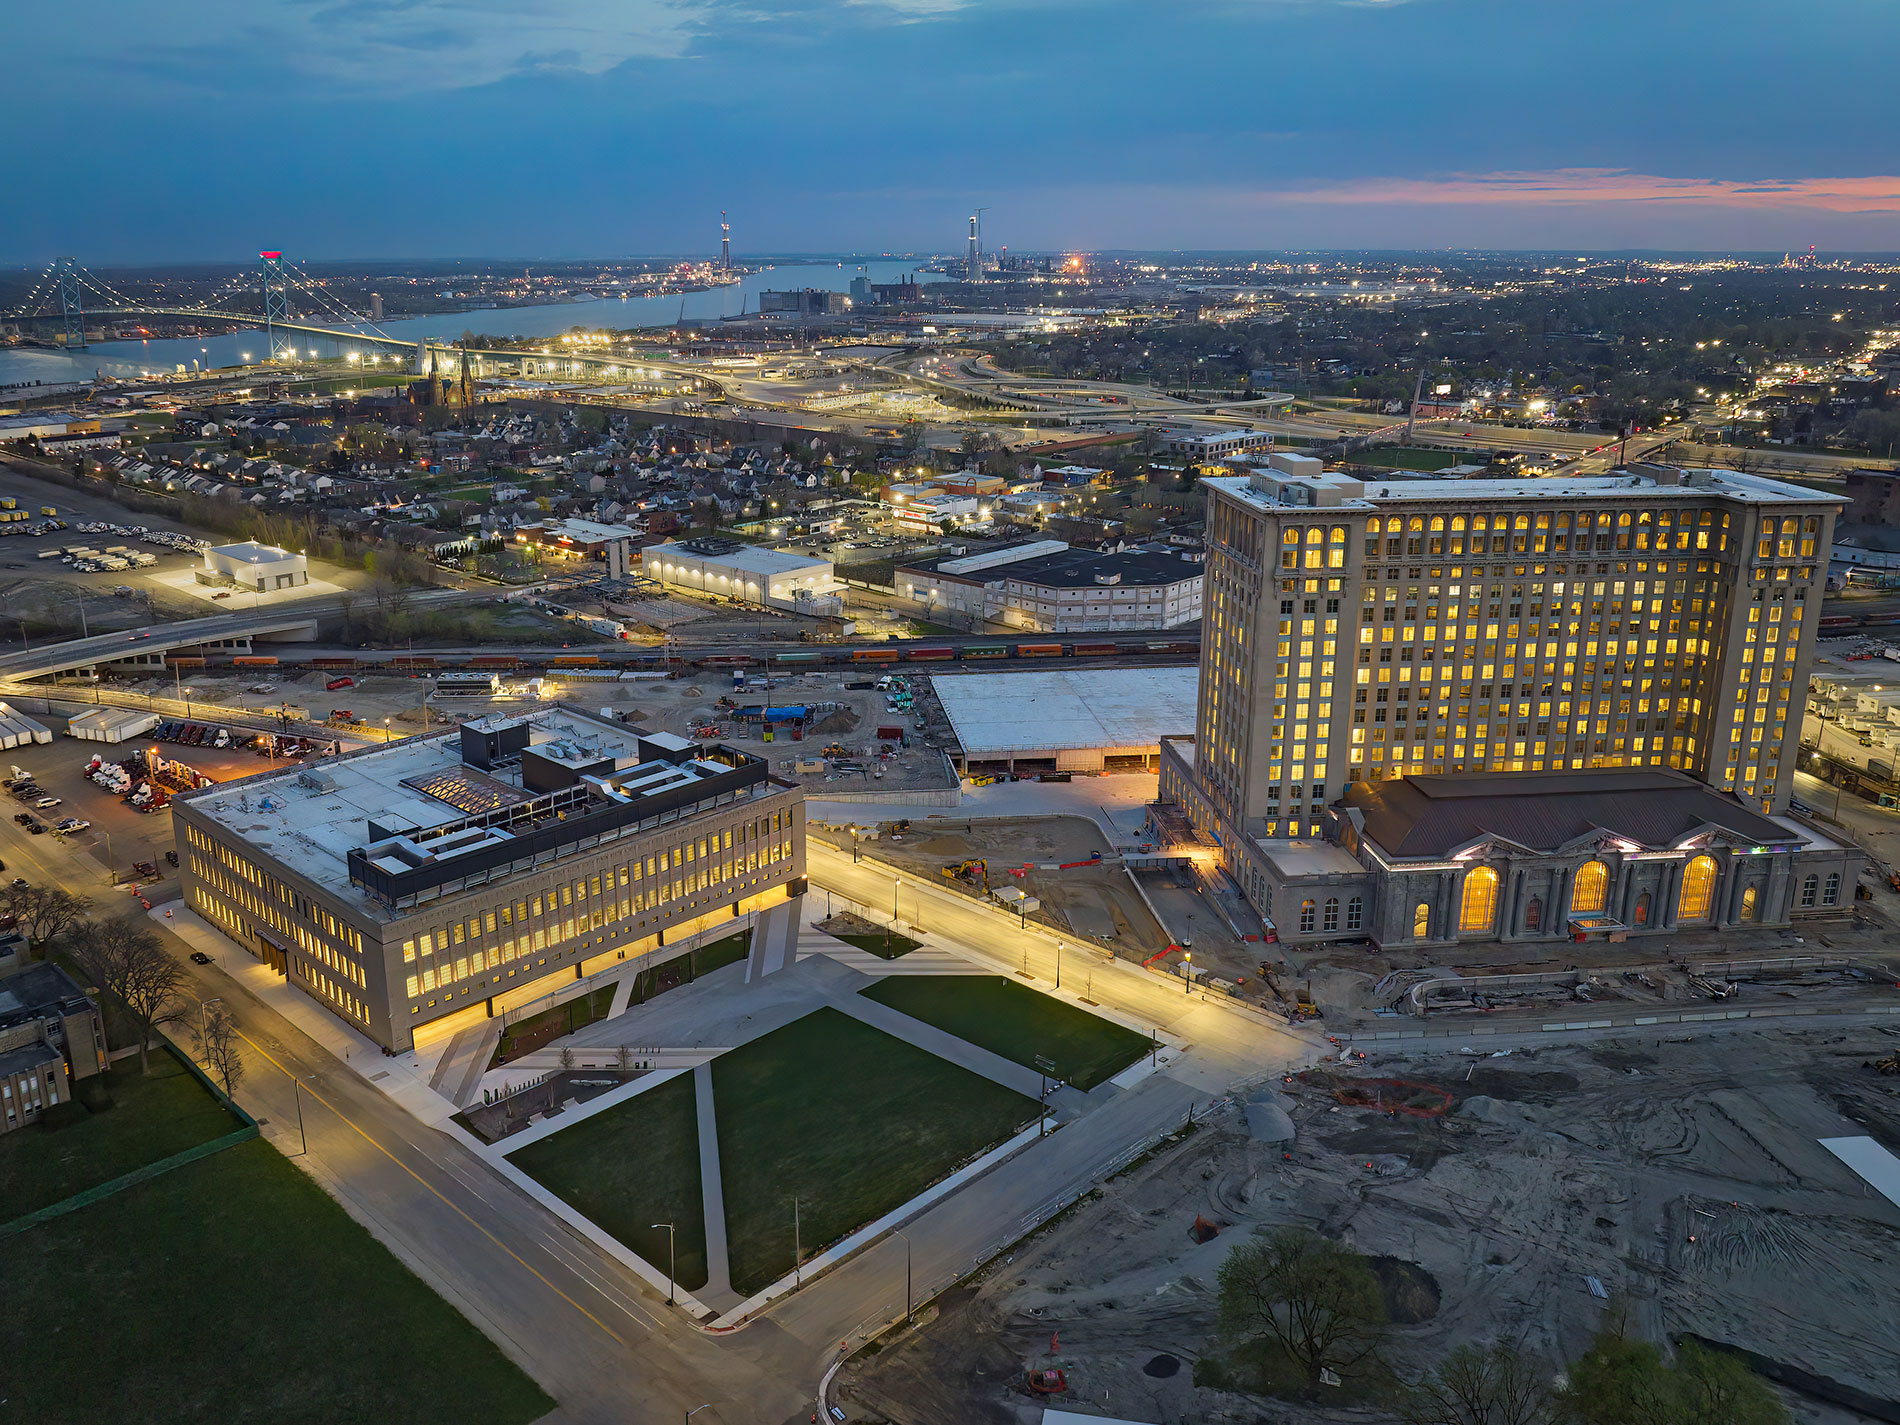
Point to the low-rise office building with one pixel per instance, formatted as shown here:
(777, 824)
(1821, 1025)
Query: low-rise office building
(51, 1033)
(470, 870)
(747, 573)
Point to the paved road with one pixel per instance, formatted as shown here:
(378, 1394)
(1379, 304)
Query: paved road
(597, 1338)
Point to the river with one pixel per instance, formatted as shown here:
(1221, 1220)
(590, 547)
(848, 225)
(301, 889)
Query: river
(140, 358)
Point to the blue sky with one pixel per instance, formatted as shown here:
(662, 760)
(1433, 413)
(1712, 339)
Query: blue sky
(180, 129)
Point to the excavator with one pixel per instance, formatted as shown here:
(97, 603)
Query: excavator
(971, 873)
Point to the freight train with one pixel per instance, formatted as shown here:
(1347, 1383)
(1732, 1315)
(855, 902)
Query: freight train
(684, 660)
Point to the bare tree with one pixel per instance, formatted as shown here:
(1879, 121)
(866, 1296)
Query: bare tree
(125, 958)
(214, 1040)
(623, 1058)
(566, 1057)
(1315, 1299)
(1499, 1385)
(44, 912)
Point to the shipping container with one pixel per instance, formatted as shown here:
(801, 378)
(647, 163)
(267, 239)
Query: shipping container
(925, 655)
(254, 660)
(1039, 650)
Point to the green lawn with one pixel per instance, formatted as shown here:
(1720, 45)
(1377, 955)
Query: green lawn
(630, 1166)
(544, 1026)
(152, 1117)
(852, 1121)
(684, 969)
(1016, 1022)
(885, 947)
(1399, 457)
(233, 1289)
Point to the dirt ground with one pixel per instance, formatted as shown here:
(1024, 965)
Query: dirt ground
(1353, 983)
(1682, 1172)
(1096, 902)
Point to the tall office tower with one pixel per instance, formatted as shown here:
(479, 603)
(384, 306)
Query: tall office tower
(974, 262)
(376, 306)
(1445, 632)
(725, 242)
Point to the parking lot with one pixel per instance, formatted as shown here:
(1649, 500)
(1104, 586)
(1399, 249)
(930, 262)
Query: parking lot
(119, 835)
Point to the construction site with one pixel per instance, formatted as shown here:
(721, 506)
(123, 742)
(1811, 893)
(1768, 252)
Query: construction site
(1685, 1182)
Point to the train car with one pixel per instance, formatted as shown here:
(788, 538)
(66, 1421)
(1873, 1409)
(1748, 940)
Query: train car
(801, 659)
(1175, 650)
(412, 661)
(1880, 620)
(248, 660)
(575, 660)
(926, 655)
(1836, 623)
(985, 650)
(726, 660)
(184, 660)
(874, 655)
(1039, 650)
(1095, 650)
(494, 660)
(348, 664)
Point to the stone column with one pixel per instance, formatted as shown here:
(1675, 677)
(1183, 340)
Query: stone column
(1671, 891)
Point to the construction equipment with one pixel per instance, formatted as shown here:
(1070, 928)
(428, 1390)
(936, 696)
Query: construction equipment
(1306, 1007)
(833, 749)
(971, 873)
(1888, 1065)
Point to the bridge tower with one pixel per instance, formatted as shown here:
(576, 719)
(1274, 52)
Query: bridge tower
(276, 299)
(72, 305)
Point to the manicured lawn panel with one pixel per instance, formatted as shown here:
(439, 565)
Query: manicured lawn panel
(852, 1121)
(717, 954)
(885, 947)
(630, 1166)
(233, 1289)
(1016, 1022)
(153, 1116)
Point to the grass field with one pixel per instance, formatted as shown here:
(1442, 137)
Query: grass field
(1016, 1022)
(684, 969)
(1411, 457)
(152, 1117)
(630, 1166)
(850, 1120)
(234, 1290)
(885, 947)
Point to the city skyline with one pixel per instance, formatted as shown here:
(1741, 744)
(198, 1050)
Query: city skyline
(587, 130)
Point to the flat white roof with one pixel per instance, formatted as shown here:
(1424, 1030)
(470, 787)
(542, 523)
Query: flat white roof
(1878, 1167)
(251, 552)
(751, 558)
(1025, 714)
(311, 817)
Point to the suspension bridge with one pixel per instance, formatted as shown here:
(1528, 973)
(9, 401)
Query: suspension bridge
(290, 303)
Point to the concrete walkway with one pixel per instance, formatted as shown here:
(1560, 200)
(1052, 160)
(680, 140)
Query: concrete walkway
(718, 1292)
(774, 940)
(458, 1073)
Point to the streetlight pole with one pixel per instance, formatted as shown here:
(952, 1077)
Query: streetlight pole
(896, 1233)
(895, 891)
(1058, 964)
(672, 1261)
(695, 1410)
(303, 1143)
(1187, 973)
(798, 1251)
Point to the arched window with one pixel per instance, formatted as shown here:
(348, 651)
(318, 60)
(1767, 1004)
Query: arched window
(1422, 921)
(1590, 889)
(1748, 904)
(1698, 889)
(1810, 890)
(1640, 915)
(1355, 913)
(1534, 914)
(1831, 894)
(1306, 917)
(1478, 909)
(1330, 920)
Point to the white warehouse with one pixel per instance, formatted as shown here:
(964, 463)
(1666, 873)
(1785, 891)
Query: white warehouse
(255, 566)
(749, 573)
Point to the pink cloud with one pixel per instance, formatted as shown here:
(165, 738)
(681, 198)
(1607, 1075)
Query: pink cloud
(1596, 186)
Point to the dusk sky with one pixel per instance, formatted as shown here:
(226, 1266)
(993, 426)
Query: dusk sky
(178, 129)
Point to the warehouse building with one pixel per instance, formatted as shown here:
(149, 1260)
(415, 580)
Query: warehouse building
(251, 565)
(1045, 586)
(1090, 720)
(463, 872)
(746, 573)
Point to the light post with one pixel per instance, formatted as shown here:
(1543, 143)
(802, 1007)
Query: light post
(797, 1247)
(896, 1233)
(895, 890)
(672, 1261)
(1187, 972)
(303, 1143)
(1058, 964)
(695, 1410)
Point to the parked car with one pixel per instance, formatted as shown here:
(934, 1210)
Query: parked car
(198, 957)
(20, 883)
(44, 802)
